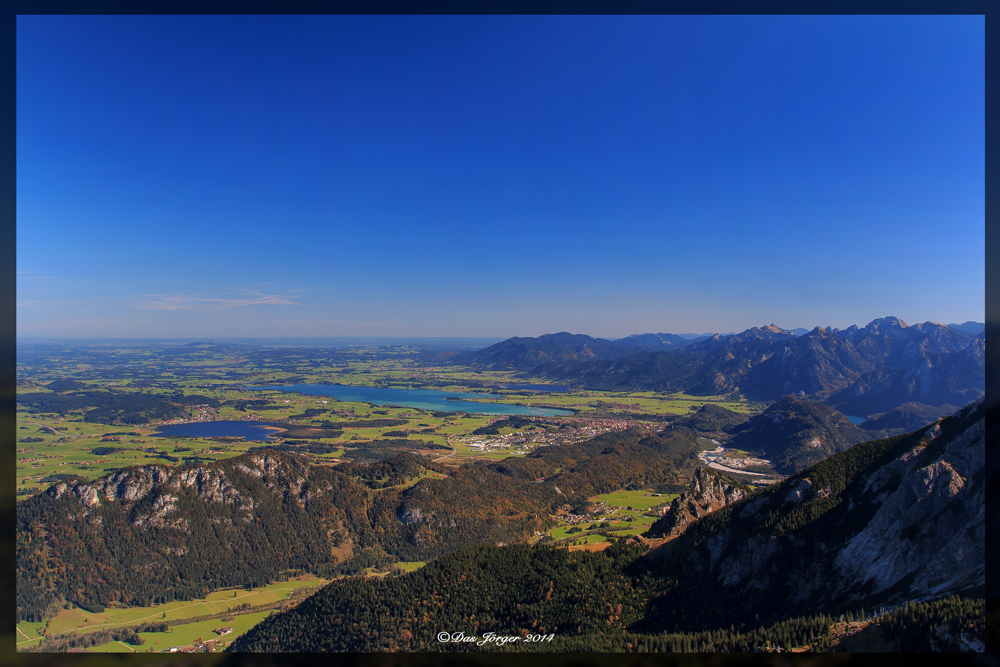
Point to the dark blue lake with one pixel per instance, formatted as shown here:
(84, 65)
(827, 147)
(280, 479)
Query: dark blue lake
(425, 399)
(220, 429)
(856, 420)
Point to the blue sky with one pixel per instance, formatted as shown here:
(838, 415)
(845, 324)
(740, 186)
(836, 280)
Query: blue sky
(496, 176)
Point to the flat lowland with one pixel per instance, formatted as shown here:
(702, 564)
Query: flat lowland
(640, 500)
(410, 566)
(78, 620)
(187, 635)
(618, 521)
(646, 402)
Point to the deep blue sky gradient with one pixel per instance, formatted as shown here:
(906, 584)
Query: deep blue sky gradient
(496, 176)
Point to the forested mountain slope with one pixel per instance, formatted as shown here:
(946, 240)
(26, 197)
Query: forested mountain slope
(160, 532)
(884, 522)
(658, 341)
(528, 353)
(794, 433)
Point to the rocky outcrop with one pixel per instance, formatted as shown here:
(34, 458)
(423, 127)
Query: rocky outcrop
(931, 528)
(211, 484)
(149, 530)
(884, 522)
(708, 492)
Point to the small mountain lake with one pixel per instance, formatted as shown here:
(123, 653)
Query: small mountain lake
(856, 420)
(425, 399)
(258, 431)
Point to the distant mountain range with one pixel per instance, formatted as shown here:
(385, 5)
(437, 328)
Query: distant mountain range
(861, 371)
(970, 327)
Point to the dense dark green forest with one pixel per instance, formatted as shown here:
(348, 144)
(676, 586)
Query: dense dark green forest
(106, 407)
(556, 600)
(381, 448)
(513, 421)
(475, 589)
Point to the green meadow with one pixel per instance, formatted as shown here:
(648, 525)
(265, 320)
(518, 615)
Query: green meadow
(187, 635)
(217, 602)
(620, 522)
(640, 500)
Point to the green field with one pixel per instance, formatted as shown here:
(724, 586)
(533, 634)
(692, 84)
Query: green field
(405, 566)
(78, 620)
(188, 634)
(410, 566)
(648, 402)
(620, 521)
(640, 500)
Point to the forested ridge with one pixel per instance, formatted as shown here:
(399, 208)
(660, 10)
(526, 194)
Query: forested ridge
(107, 407)
(556, 600)
(794, 433)
(157, 532)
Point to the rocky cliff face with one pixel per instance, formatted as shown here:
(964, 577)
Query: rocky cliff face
(883, 522)
(709, 492)
(930, 528)
(159, 487)
(153, 532)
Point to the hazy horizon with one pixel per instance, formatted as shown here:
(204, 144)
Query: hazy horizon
(428, 340)
(496, 176)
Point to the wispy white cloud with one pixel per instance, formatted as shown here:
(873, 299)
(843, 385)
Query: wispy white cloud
(195, 301)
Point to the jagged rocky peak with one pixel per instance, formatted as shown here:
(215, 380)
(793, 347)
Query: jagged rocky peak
(210, 482)
(774, 328)
(708, 492)
(886, 325)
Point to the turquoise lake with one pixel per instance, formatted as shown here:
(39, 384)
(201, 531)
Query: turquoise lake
(425, 399)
